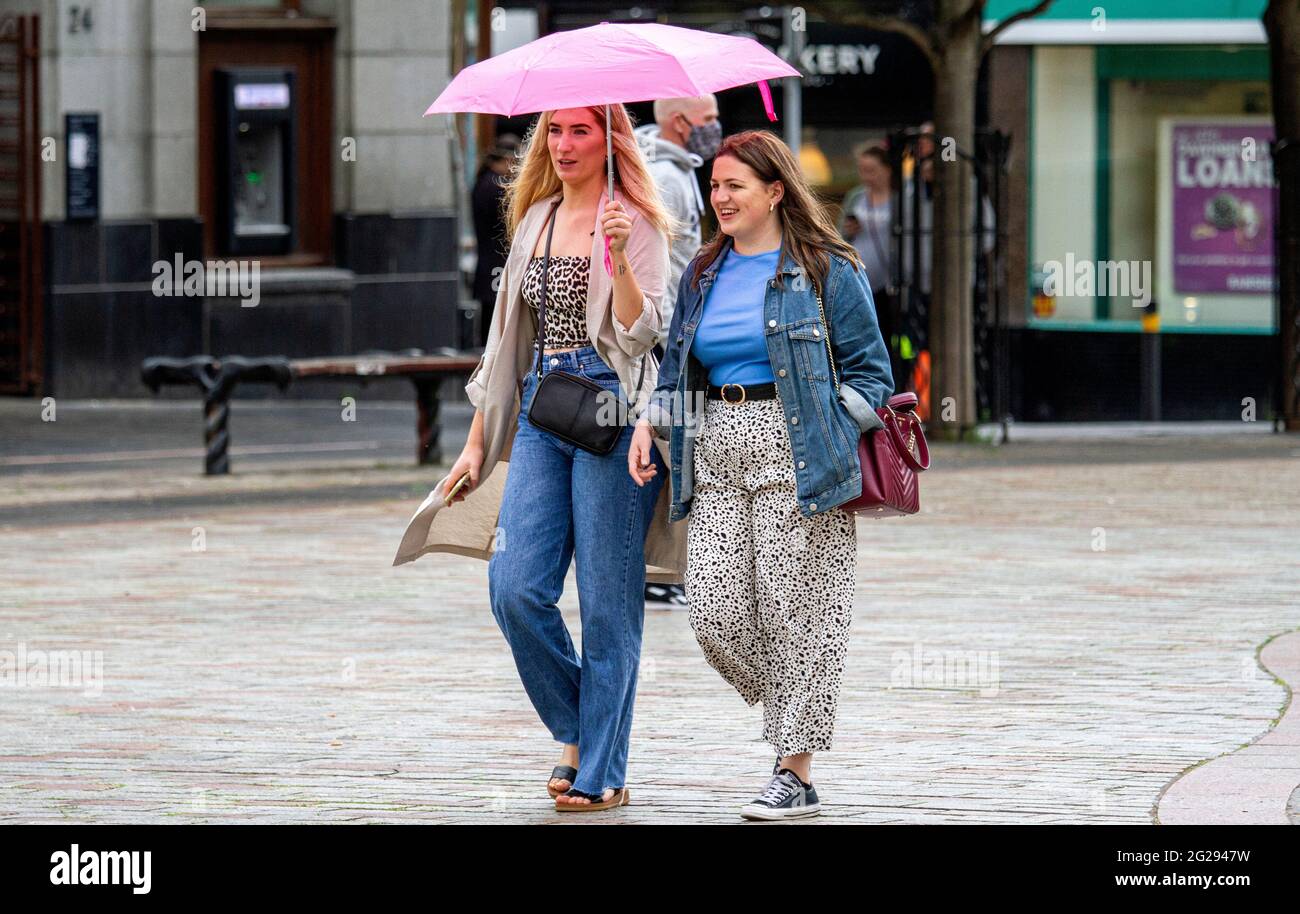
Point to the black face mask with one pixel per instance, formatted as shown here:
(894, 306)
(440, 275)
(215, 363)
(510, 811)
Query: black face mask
(704, 139)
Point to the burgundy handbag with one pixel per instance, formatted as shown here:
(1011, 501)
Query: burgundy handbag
(890, 456)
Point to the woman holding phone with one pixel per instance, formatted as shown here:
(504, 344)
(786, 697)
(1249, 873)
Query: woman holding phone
(764, 449)
(561, 502)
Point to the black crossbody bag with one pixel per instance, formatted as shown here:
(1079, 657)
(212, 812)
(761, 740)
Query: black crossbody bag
(567, 405)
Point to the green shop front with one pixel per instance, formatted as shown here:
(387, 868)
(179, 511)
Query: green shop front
(1149, 231)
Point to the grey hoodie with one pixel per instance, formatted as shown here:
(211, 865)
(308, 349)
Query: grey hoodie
(673, 169)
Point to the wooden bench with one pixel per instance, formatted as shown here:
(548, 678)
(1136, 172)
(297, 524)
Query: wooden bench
(217, 379)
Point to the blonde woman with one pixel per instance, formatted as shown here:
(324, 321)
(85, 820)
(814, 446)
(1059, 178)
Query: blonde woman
(561, 503)
(761, 473)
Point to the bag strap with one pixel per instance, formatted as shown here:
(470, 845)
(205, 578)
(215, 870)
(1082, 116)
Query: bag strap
(915, 450)
(636, 394)
(541, 316)
(822, 311)
(546, 269)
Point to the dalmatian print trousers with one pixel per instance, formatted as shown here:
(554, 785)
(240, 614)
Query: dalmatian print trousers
(770, 590)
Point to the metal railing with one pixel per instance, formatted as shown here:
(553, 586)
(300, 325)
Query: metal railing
(913, 234)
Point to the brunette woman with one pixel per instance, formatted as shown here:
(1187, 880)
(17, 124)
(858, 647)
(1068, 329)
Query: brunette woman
(762, 467)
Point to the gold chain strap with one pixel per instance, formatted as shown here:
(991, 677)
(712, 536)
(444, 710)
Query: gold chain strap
(820, 310)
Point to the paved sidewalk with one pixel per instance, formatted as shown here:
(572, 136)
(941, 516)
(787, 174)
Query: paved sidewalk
(1255, 785)
(1064, 630)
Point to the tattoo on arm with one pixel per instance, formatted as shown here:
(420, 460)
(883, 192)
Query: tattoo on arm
(622, 268)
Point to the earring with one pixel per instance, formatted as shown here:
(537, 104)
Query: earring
(771, 206)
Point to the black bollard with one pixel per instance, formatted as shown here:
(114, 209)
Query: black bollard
(217, 378)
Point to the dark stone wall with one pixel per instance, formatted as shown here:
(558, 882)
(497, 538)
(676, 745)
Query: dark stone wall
(101, 315)
(1067, 376)
(395, 287)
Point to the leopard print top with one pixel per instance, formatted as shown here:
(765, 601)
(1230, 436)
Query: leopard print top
(566, 299)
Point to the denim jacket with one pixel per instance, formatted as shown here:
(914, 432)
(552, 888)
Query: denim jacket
(824, 429)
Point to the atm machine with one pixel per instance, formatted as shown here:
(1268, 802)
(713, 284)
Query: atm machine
(256, 209)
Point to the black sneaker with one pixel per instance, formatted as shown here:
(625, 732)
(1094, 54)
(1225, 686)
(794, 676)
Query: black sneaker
(784, 797)
(672, 594)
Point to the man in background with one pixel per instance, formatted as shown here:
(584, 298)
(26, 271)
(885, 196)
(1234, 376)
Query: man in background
(686, 132)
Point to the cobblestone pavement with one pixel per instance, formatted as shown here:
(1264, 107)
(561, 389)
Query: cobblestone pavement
(1062, 632)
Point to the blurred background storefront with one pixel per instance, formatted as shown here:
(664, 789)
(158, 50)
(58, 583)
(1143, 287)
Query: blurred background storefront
(283, 131)
(1141, 116)
(860, 83)
(290, 132)
(1094, 103)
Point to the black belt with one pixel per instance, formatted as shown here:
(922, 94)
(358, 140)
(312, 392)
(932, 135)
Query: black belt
(739, 393)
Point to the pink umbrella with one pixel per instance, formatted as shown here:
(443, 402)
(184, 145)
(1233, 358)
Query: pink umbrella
(610, 63)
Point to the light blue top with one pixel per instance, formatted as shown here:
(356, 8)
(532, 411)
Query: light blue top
(730, 340)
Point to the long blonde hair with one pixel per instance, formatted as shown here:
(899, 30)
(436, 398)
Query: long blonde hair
(533, 176)
(807, 233)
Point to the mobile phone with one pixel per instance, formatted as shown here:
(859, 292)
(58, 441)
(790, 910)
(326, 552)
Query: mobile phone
(460, 484)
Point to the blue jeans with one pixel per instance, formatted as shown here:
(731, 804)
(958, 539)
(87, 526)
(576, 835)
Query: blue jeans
(562, 503)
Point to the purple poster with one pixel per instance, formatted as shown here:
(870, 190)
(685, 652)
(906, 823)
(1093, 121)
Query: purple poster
(1223, 207)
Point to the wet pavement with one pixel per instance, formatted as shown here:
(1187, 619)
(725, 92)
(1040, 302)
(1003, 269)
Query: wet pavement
(1071, 628)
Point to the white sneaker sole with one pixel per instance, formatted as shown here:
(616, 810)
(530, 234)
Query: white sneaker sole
(764, 813)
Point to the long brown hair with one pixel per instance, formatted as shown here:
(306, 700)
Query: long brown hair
(533, 177)
(808, 236)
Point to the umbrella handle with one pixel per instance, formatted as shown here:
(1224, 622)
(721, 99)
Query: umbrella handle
(609, 181)
(609, 156)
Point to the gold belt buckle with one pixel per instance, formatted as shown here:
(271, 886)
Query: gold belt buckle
(733, 402)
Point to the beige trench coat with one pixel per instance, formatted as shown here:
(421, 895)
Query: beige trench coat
(468, 527)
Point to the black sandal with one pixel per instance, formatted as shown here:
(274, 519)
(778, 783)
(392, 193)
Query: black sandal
(564, 773)
(621, 797)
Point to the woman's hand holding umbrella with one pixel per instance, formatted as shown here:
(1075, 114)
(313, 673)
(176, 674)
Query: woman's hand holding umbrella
(616, 225)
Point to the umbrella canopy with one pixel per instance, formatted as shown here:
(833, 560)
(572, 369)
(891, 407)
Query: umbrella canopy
(608, 64)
